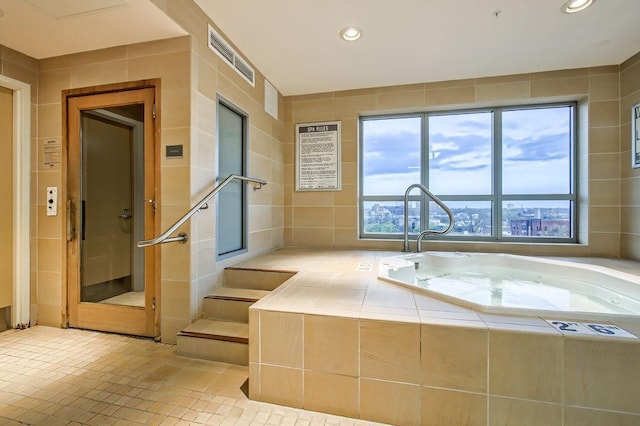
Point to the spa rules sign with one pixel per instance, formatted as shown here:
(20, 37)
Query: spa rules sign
(318, 157)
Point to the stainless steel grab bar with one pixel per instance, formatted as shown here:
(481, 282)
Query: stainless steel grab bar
(182, 237)
(438, 201)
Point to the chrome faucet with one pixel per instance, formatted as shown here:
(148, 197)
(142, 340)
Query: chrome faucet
(424, 233)
(420, 238)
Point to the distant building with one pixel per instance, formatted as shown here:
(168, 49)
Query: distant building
(526, 227)
(539, 227)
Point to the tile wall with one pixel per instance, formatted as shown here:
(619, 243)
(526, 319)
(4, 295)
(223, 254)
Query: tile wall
(167, 60)
(192, 77)
(630, 178)
(443, 371)
(606, 210)
(212, 77)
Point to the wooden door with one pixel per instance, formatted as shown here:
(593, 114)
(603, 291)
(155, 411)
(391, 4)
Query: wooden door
(111, 191)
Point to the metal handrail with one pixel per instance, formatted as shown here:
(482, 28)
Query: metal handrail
(438, 201)
(182, 237)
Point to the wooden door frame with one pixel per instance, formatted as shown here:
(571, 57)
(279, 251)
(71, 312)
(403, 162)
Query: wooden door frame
(152, 275)
(21, 279)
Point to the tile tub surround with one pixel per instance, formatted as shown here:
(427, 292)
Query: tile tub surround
(335, 339)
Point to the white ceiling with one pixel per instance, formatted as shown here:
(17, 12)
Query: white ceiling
(31, 27)
(295, 43)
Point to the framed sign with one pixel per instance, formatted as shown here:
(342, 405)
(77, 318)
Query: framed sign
(318, 165)
(635, 136)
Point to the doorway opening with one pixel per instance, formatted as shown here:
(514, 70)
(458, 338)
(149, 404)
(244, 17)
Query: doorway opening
(15, 309)
(6, 215)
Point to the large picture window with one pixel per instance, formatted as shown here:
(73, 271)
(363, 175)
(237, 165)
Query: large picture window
(507, 173)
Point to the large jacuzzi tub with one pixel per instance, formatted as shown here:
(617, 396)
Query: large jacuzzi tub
(511, 284)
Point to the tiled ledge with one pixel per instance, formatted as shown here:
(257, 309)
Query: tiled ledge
(333, 282)
(336, 339)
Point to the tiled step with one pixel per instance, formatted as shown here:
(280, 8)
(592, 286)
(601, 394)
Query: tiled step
(223, 334)
(231, 331)
(259, 279)
(238, 294)
(231, 303)
(215, 340)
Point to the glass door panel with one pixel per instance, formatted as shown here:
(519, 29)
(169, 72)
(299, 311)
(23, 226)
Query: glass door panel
(109, 221)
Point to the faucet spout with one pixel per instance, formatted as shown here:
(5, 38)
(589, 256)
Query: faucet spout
(420, 238)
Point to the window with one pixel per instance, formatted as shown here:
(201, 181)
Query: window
(507, 173)
(231, 217)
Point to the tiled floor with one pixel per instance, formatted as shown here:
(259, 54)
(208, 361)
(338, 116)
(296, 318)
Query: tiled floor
(51, 376)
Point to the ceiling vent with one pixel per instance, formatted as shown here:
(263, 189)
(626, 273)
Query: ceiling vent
(218, 44)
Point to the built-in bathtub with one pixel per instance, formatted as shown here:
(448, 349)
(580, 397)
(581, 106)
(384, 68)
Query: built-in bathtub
(523, 285)
(335, 338)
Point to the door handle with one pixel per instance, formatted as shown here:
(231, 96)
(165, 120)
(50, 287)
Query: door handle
(71, 228)
(125, 215)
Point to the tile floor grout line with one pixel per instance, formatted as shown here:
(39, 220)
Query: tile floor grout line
(68, 376)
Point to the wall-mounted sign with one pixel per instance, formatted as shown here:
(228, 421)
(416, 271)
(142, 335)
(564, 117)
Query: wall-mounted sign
(52, 153)
(318, 165)
(174, 151)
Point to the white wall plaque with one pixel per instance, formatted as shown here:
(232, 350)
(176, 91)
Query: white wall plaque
(52, 153)
(318, 165)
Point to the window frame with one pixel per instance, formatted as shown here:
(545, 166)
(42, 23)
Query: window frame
(496, 198)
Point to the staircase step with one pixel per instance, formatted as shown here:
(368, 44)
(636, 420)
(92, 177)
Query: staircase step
(223, 334)
(213, 329)
(215, 340)
(238, 294)
(260, 279)
(231, 304)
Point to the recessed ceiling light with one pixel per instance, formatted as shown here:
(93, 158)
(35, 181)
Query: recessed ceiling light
(573, 6)
(350, 34)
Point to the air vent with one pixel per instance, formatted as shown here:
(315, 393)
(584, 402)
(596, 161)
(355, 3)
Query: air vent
(244, 69)
(218, 44)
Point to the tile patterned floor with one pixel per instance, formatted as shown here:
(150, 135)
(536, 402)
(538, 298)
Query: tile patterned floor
(51, 376)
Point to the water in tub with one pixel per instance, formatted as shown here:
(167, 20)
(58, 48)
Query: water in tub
(493, 285)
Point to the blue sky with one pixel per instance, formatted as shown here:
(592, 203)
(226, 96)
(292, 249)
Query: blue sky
(535, 153)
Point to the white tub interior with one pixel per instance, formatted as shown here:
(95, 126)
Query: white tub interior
(502, 283)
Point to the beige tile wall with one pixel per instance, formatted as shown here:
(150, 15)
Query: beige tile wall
(211, 77)
(630, 182)
(191, 78)
(450, 372)
(167, 60)
(333, 222)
